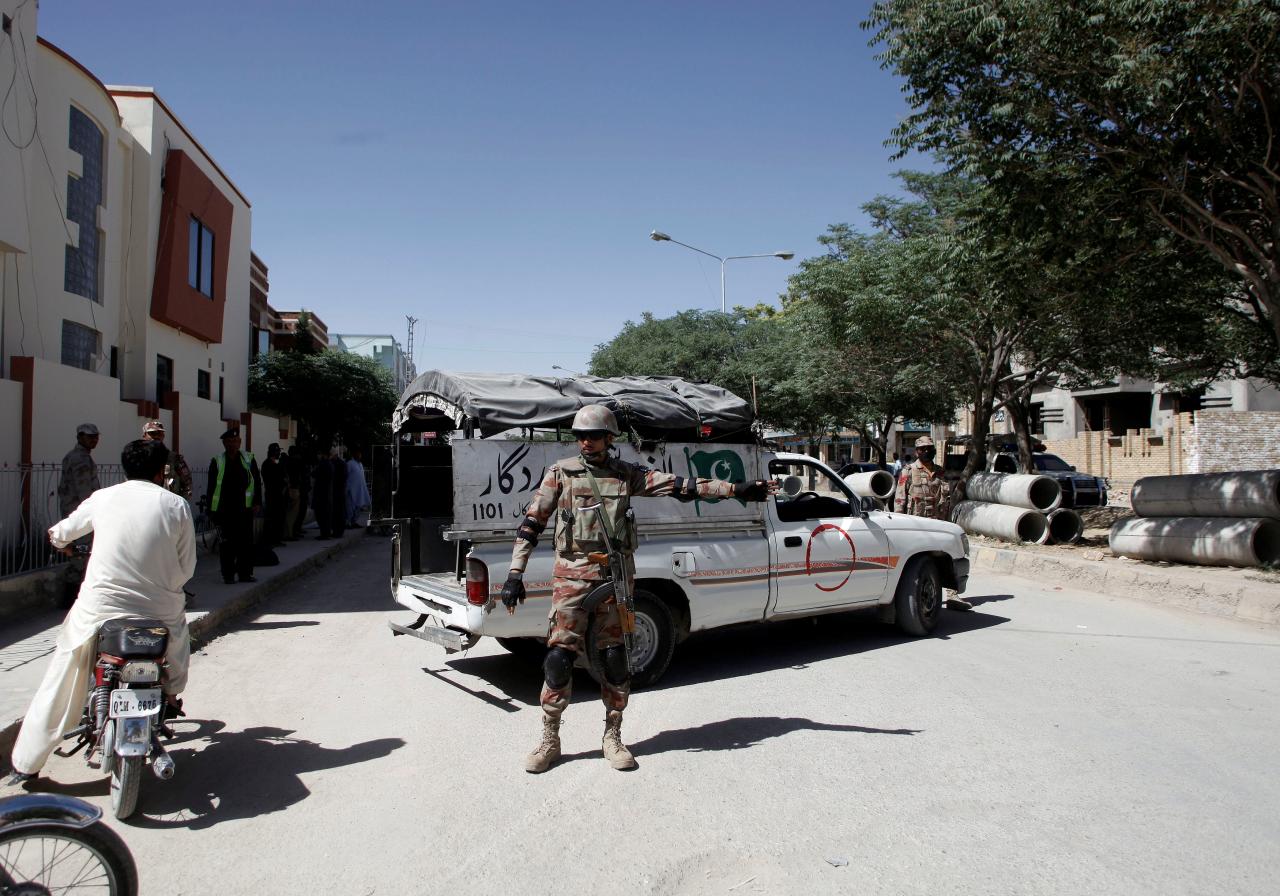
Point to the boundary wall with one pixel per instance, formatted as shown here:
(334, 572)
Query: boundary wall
(1194, 442)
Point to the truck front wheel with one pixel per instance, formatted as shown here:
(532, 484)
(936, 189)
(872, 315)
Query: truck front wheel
(655, 642)
(918, 602)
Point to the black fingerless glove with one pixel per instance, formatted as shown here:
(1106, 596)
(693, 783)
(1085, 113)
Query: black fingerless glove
(512, 591)
(752, 491)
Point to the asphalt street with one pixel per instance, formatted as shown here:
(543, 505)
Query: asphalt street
(1051, 741)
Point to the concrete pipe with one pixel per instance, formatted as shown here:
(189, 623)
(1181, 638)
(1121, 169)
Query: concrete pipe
(1001, 521)
(1249, 494)
(1065, 526)
(1027, 490)
(876, 484)
(1208, 541)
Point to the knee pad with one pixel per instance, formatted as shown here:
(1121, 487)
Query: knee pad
(614, 661)
(557, 668)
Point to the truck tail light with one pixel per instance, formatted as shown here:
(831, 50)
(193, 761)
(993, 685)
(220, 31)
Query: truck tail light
(477, 582)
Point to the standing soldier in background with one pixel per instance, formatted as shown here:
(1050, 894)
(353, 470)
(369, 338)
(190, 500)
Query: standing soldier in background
(593, 478)
(924, 491)
(79, 477)
(177, 475)
(78, 481)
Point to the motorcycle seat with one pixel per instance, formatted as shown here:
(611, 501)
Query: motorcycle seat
(134, 638)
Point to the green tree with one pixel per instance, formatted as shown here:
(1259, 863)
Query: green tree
(754, 353)
(1115, 115)
(333, 396)
(861, 301)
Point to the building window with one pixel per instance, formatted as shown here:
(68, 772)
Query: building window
(82, 265)
(164, 377)
(220, 385)
(202, 383)
(200, 257)
(80, 345)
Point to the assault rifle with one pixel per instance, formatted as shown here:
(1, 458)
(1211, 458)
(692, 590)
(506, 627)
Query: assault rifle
(617, 586)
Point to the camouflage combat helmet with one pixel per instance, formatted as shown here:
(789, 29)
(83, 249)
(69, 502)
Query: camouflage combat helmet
(595, 418)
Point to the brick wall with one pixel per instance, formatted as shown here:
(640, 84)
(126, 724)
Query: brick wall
(1204, 442)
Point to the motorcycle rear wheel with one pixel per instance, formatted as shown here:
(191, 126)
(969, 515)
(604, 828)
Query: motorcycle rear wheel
(126, 777)
(53, 858)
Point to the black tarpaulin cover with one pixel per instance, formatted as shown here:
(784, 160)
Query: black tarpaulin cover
(663, 407)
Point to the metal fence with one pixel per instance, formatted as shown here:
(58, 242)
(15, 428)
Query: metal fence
(29, 506)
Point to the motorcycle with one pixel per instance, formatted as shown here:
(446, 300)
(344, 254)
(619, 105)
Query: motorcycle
(58, 844)
(126, 713)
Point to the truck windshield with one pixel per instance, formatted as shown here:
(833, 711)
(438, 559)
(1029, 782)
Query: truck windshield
(821, 495)
(1051, 463)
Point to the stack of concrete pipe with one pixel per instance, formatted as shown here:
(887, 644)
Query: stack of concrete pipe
(1016, 507)
(1211, 519)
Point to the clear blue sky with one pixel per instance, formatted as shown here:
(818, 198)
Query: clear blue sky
(494, 169)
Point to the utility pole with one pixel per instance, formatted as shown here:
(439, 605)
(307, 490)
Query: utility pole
(413, 371)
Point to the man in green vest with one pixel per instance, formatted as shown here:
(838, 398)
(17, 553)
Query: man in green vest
(235, 494)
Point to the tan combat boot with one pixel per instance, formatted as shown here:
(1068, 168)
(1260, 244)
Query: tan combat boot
(614, 750)
(548, 749)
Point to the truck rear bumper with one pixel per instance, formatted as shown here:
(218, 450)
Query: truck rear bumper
(452, 641)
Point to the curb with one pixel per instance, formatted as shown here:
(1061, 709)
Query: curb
(208, 622)
(1173, 586)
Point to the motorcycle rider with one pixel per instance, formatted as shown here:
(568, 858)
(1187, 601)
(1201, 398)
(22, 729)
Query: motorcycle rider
(143, 553)
(593, 478)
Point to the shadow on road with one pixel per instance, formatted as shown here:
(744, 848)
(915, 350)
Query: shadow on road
(264, 626)
(241, 774)
(734, 734)
(729, 653)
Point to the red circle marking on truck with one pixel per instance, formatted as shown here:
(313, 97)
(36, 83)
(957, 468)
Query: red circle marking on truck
(808, 551)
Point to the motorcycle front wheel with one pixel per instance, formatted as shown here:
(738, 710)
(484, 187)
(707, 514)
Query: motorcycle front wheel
(126, 777)
(56, 859)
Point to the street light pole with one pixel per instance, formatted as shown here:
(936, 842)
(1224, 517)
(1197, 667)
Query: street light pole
(659, 237)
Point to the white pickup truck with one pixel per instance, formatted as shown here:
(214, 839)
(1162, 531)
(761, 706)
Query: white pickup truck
(699, 565)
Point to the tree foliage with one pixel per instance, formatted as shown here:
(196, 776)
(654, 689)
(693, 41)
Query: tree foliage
(334, 396)
(1151, 120)
(751, 352)
(951, 300)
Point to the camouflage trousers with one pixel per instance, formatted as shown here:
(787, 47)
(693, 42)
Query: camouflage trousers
(568, 629)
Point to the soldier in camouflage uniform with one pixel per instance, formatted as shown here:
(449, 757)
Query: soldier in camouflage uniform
(568, 486)
(177, 474)
(79, 477)
(923, 490)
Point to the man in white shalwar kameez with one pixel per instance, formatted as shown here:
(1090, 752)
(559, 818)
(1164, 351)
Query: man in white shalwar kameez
(143, 553)
(357, 489)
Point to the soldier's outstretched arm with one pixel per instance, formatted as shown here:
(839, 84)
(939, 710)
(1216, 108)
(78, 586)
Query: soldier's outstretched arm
(541, 506)
(652, 483)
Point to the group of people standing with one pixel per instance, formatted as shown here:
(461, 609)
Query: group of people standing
(282, 491)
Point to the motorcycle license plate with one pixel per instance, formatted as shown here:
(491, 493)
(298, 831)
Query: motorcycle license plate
(127, 704)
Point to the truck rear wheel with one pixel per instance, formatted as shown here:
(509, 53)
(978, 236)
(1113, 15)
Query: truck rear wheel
(655, 642)
(918, 602)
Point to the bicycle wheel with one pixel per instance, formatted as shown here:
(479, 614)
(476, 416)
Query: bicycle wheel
(50, 858)
(210, 537)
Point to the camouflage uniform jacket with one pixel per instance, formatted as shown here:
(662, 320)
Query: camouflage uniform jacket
(566, 487)
(177, 475)
(922, 491)
(79, 479)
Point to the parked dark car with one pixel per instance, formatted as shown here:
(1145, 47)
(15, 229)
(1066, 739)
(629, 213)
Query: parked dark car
(1078, 489)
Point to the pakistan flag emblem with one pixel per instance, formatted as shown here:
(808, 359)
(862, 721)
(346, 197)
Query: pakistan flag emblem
(725, 466)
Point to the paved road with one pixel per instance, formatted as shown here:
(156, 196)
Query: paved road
(1049, 742)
